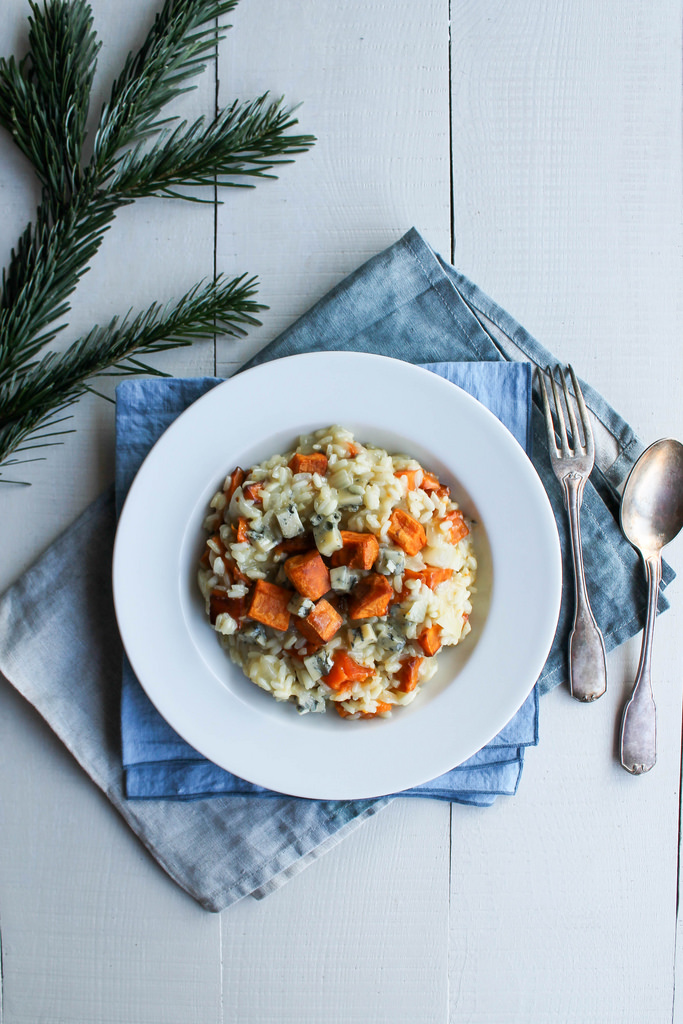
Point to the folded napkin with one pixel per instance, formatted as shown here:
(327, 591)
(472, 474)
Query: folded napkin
(157, 762)
(58, 640)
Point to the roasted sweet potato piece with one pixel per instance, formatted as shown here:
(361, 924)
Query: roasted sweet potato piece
(359, 550)
(321, 624)
(431, 575)
(408, 674)
(344, 671)
(371, 596)
(382, 706)
(409, 475)
(308, 574)
(458, 526)
(430, 639)
(242, 530)
(430, 482)
(269, 605)
(234, 481)
(406, 531)
(252, 492)
(220, 603)
(316, 462)
(296, 545)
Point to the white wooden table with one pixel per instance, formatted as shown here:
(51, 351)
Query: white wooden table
(541, 142)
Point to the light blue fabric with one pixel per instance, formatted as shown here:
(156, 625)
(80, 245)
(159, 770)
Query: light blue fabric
(158, 763)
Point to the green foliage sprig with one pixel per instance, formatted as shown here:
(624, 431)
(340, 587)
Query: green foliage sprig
(137, 151)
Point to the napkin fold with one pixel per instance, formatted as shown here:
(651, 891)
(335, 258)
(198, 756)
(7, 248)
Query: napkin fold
(58, 640)
(159, 763)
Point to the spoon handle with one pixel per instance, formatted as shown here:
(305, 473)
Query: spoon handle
(638, 726)
(587, 658)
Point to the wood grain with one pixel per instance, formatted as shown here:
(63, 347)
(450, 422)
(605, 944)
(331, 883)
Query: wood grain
(566, 198)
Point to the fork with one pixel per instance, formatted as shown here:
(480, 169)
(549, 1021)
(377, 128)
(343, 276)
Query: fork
(572, 463)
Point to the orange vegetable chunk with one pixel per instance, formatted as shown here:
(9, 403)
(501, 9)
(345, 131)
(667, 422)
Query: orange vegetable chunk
(269, 605)
(430, 639)
(345, 670)
(220, 603)
(382, 706)
(321, 623)
(242, 527)
(431, 575)
(252, 492)
(370, 596)
(236, 478)
(430, 482)
(316, 462)
(458, 526)
(359, 551)
(296, 545)
(308, 574)
(408, 674)
(410, 475)
(405, 531)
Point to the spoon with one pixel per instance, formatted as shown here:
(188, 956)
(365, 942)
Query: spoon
(651, 516)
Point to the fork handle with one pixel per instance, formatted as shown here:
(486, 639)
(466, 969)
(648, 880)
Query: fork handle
(587, 658)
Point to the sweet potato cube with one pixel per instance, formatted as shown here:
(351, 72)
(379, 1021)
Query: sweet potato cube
(406, 531)
(431, 575)
(242, 533)
(269, 605)
(220, 603)
(382, 707)
(409, 475)
(430, 482)
(316, 462)
(321, 624)
(344, 671)
(457, 524)
(296, 545)
(252, 492)
(408, 674)
(308, 574)
(430, 639)
(359, 551)
(233, 482)
(371, 596)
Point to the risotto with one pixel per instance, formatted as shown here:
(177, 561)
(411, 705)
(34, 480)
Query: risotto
(335, 573)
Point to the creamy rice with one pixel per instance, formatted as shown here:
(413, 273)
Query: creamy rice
(334, 573)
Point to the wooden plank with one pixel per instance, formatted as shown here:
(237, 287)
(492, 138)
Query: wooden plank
(92, 929)
(567, 143)
(372, 81)
(361, 934)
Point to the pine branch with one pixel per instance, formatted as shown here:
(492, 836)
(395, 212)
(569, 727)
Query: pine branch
(245, 140)
(181, 40)
(44, 101)
(44, 98)
(49, 260)
(60, 379)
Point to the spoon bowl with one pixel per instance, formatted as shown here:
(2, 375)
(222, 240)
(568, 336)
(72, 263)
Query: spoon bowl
(651, 516)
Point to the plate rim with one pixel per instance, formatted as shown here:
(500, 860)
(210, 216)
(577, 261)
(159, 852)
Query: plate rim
(194, 413)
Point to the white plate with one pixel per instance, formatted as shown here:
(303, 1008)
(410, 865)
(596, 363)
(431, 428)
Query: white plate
(176, 655)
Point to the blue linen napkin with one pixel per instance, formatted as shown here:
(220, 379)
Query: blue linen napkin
(59, 645)
(157, 761)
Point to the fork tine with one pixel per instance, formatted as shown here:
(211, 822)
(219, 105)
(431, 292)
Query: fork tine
(562, 428)
(585, 418)
(550, 426)
(576, 437)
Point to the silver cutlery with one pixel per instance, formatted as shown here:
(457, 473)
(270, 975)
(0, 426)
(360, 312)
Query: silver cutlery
(572, 463)
(651, 516)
